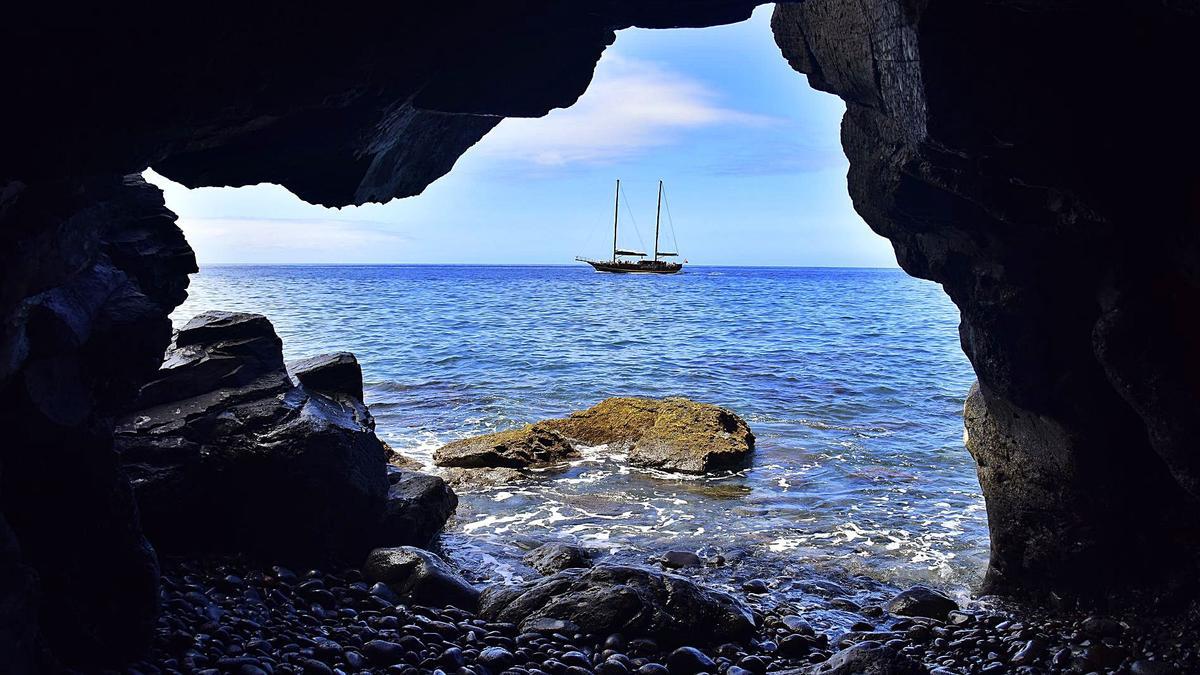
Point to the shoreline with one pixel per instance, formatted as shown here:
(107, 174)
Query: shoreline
(243, 616)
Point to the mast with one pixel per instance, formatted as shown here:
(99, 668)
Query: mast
(616, 212)
(657, 220)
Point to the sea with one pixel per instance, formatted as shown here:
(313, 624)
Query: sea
(852, 381)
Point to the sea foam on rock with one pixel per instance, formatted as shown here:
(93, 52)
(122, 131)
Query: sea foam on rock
(226, 454)
(609, 599)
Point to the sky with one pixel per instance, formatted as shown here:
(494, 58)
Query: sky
(749, 153)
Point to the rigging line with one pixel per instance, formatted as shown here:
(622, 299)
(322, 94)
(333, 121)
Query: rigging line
(632, 220)
(670, 221)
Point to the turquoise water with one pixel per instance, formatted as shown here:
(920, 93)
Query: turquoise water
(852, 380)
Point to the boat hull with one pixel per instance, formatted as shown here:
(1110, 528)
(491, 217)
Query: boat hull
(645, 267)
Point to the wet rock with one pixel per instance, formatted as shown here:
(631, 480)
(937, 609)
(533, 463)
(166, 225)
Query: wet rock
(672, 434)
(227, 455)
(496, 659)
(554, 557)
(417, 507)
(689, 661)
(680, 559)
(611, 598)
(532, 445)
(421, 577)
(869, 658)
(922, 601)
(337, 373)
(757, 586)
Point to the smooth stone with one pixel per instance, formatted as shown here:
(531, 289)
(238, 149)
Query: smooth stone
(419, 576)
(680, 559)
(689, 661)
(922, 601)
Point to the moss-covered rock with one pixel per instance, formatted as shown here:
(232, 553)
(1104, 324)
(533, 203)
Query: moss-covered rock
(531, 445)
(673, 434)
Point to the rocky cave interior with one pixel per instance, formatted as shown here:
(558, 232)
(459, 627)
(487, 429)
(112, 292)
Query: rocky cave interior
(1035, 158)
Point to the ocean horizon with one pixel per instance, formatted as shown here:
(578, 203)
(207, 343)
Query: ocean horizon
(851, 378)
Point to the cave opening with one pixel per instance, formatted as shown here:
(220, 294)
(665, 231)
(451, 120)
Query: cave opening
(790, 312)
(1034, 158)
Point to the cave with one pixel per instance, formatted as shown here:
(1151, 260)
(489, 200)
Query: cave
(1035, 158)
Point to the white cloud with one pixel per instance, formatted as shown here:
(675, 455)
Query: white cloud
(288, 239)
(630, 105)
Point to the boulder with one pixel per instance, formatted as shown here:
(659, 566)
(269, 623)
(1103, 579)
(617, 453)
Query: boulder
(608, 599)
(531, 445)
(420, 577)
(555, 557)
(417, 507)
(337, 373)
(231, 351)
(869, 658)
(922, 601)
(672, 434)
(229, 456)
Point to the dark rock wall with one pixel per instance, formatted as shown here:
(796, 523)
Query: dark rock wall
(90, 271)
(339, 105)
(1037, 159)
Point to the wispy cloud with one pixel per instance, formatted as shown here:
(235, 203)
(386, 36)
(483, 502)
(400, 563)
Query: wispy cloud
(289, 239)
(630, 106)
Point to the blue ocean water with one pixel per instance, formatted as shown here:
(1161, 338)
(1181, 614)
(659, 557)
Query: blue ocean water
(852, 380)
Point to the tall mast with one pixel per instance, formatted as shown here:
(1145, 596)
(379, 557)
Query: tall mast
(616, 212)
(657, 220)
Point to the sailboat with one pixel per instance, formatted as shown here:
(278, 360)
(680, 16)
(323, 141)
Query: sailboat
(652, 266)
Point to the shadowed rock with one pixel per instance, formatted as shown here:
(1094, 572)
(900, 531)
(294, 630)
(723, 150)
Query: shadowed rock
(230, 456)
(337, 373)
(619, 599)
(922, 601)
(418, 506)
(420, 577)
(869, 658)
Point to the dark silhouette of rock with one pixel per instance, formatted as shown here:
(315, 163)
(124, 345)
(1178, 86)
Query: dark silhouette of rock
(673, 434)
(417, 507)
(421, 577)
(608, 599)
(1075, 275)
(89, 272)
(922, 601)
(230, 456)
(981, 143)
(337, 373)
(554, 557)
(532, 445)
